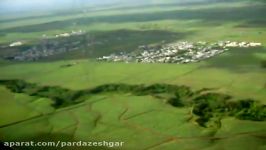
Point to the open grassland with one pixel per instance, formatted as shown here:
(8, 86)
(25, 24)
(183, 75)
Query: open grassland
(232, 72)
(135, 119)
(145, 121)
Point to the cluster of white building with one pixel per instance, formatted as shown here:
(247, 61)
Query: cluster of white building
(238, 44)
(180, 52)
(70, 33)
(14, 44)
(67, 34)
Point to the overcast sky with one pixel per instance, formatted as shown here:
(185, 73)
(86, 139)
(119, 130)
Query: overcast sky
(22, 5)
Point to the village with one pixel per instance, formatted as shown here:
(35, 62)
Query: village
(45, 49)
(48, 46)
(179, 52)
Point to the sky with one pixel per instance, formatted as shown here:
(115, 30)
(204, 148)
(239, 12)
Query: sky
(39, 4)
(23, 5)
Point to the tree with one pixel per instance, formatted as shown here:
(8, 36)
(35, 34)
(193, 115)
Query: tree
(263, 64)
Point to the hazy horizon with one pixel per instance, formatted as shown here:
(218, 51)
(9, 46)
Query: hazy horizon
(7, 6)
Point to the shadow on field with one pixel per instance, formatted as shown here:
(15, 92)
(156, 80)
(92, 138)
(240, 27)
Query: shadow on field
(25, 18)
(98, 44)
(238, 60)
(129, 40)
(253, 24)
(221, 15)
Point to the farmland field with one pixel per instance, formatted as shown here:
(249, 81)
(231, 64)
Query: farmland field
(218, 103)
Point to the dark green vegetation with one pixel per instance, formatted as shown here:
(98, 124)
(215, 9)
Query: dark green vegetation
(213, 106)
(208, 106)
(95, 44)
(220, 107)
(263, 64)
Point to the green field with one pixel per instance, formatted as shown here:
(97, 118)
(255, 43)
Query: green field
(141, 118)
(123, 29)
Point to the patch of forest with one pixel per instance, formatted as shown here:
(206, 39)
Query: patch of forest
(207, 107)
(263, 64)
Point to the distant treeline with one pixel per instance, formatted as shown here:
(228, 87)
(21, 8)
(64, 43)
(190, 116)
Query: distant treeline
(207, 107)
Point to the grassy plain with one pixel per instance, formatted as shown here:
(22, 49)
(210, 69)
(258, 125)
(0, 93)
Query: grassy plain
(142, 122)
